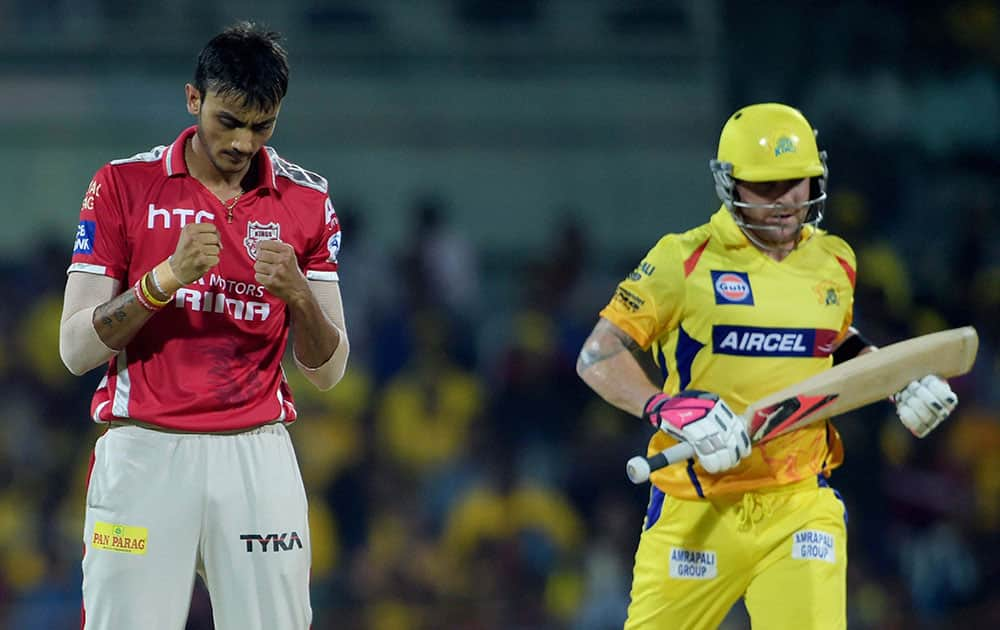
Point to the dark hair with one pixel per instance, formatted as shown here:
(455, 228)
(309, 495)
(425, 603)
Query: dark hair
(247, 61)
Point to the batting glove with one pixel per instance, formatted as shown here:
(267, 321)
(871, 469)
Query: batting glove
(704, 421)
(924, 404)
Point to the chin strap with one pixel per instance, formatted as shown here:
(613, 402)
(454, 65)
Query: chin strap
(747, 227)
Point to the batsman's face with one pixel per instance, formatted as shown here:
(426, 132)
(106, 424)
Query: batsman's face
(230, 133)
(781, 222)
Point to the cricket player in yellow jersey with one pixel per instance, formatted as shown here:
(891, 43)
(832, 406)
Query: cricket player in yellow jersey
(754, 300)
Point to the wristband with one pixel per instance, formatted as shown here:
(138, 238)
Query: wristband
(165, 279)
(155, 283)
(146, 293)
(141, 298)
(851, 348)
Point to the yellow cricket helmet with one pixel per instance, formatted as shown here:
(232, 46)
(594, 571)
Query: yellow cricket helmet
(769, 142)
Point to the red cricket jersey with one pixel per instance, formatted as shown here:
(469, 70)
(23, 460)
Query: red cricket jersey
(211, 360)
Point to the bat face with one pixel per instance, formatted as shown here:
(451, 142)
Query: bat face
(774, 420)
(860, 381)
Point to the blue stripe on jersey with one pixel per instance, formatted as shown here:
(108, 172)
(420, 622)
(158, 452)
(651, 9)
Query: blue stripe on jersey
(662, 360)
(655, 508)
(753, 341)
(823, 483)
(693, 476)
(687, 349)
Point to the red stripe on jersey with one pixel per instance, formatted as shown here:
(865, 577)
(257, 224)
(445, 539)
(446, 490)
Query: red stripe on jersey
(692, 260)
(851, 274)
(823, 347)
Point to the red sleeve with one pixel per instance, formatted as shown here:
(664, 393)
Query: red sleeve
(100, 236)
(321, 260)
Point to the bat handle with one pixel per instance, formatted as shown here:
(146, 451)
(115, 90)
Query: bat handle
(639, 468)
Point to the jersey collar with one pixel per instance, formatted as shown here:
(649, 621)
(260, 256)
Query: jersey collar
(729, 233)
(732, 236)
(174, 164)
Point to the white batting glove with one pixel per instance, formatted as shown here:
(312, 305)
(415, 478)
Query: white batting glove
(924, 404)
(704, 421)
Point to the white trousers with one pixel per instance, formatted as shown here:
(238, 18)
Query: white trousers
(163, 506)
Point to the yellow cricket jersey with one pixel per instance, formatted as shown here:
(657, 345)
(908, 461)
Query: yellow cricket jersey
(720, 315)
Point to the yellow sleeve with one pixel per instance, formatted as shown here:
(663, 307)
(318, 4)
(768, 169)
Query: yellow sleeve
(649, 300)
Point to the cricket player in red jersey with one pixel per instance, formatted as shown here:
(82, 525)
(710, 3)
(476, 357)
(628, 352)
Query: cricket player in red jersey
(754, 300)
(192, 263)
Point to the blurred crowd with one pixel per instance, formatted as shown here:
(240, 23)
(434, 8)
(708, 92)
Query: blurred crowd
(462, 477)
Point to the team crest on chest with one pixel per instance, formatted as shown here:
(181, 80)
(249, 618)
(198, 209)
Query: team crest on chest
(827, 293)
(257, 232)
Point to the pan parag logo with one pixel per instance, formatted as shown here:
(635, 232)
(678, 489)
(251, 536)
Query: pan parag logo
(121, 538)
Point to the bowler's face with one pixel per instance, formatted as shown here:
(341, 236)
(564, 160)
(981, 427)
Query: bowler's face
(230, 133)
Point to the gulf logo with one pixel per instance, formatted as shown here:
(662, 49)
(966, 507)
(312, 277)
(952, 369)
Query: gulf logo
(732, 287)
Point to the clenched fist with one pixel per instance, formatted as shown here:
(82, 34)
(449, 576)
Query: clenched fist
(197, 252)
(277, 270)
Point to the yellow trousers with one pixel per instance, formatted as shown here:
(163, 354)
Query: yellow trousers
(783, 549)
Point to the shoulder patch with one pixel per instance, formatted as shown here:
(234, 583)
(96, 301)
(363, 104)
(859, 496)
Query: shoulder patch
(296, 173)
(153, 155)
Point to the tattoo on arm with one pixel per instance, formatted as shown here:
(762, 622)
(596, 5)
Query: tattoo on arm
(115, 308)
(599, 347)
(119, 319)
(592, 355)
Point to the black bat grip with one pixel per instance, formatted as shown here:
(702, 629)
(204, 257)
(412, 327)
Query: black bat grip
(639, 468)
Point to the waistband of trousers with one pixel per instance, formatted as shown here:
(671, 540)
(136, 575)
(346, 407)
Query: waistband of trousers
(128, 422)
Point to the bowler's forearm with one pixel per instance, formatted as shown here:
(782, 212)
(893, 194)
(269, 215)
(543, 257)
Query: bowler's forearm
(119, 320)
(80, 347)
(96, 323)
(316, 338)
(319, 345)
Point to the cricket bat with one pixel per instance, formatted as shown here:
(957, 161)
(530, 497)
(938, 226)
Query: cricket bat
(844, 387)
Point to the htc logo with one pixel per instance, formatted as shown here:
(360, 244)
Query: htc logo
(180, 216)
(278, 542)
